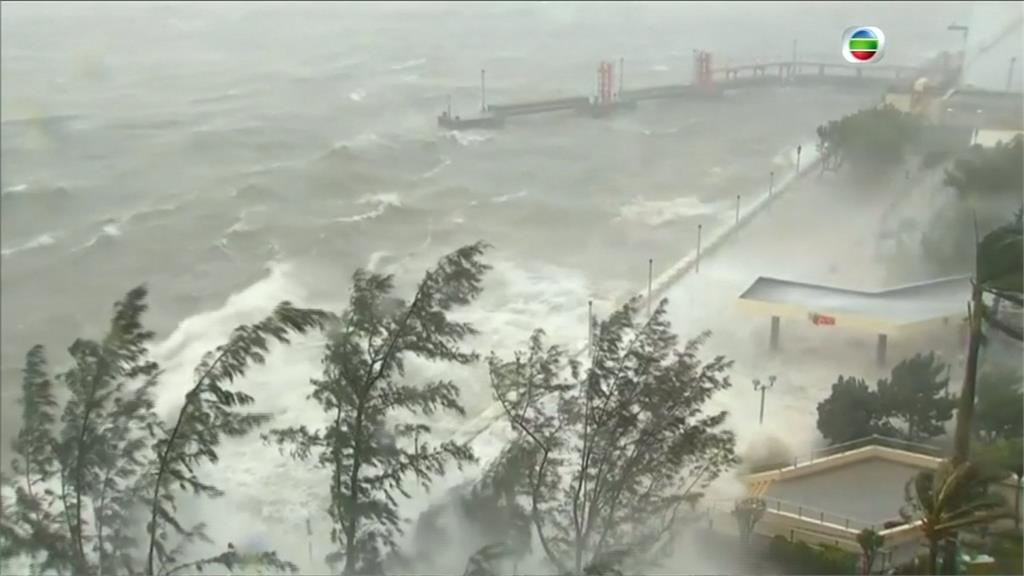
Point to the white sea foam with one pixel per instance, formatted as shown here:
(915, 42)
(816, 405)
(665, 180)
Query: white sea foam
(409, 64)
(37, 242)
(469, 138)
(656, 212)
(436, 169)
(510, 196)
(16, 189)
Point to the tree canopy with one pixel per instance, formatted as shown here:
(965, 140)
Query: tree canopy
(617, 444)
(851, 411)
(914, 397)
(371, 454)
(982, 170)
(84, 481)
(910, 404)
(870, 140)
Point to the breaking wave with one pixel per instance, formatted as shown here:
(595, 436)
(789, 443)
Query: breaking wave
(37, 242)
(409, 64)
(657, 212)
(382, 201)
(468, 138)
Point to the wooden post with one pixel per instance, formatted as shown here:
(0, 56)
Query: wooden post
(774, 341)
(883, 341)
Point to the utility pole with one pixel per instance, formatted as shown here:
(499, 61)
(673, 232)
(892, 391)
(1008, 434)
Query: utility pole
(771, 181)
(737, 209)
(799, 149)
(758, 385)
(1009, 74)
(963, 51)
(483, 91)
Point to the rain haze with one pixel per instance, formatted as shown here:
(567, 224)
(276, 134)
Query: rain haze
(230, 156)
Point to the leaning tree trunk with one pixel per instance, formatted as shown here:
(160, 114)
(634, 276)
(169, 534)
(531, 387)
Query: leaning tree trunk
(965, 413)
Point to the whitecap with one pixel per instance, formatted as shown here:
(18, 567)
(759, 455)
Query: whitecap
(111, 229)
(375, 259)
(409, 64)
(433, 171)
(364, 216)
(656, 212)
(383, 201)
(364, 141)
(468, 138)
(37, 242)
(384, 198)
(506, 197)
(357, 96)
(16, 189)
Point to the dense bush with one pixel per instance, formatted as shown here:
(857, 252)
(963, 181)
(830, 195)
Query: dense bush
(871, 140)
(802, 558)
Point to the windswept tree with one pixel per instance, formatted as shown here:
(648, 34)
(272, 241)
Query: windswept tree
(985, 171)
(748, 512)
(954, 497)
(83, 483)
(375, 439)
(211, 411)
(871, 140)
(34, 528)
(915, 397)
(870, 543)
(852, 411)
(999, 410)
(616, 445)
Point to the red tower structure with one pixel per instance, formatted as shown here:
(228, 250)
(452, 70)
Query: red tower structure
(605, 82)
(702, 67)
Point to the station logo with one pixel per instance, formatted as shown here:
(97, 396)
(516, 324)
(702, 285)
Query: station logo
(863, 44)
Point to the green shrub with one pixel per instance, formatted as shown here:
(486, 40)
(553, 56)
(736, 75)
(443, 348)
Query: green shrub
(802, 558)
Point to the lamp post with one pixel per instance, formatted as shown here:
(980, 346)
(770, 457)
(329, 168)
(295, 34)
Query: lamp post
(963, 51)
(758, 385)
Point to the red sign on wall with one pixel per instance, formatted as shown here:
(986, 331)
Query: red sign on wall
(822, 319)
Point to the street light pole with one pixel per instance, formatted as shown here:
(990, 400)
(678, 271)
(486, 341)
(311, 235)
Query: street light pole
(758, 385)
(963, 51)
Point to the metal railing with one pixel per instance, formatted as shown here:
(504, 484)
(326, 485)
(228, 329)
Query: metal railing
(874, 440)
(808, 513)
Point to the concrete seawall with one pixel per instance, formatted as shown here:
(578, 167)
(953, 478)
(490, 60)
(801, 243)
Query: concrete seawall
(714, 239)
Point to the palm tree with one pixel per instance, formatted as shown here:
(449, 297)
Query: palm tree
(952, 498)
(1006, 457)
(870, 543)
